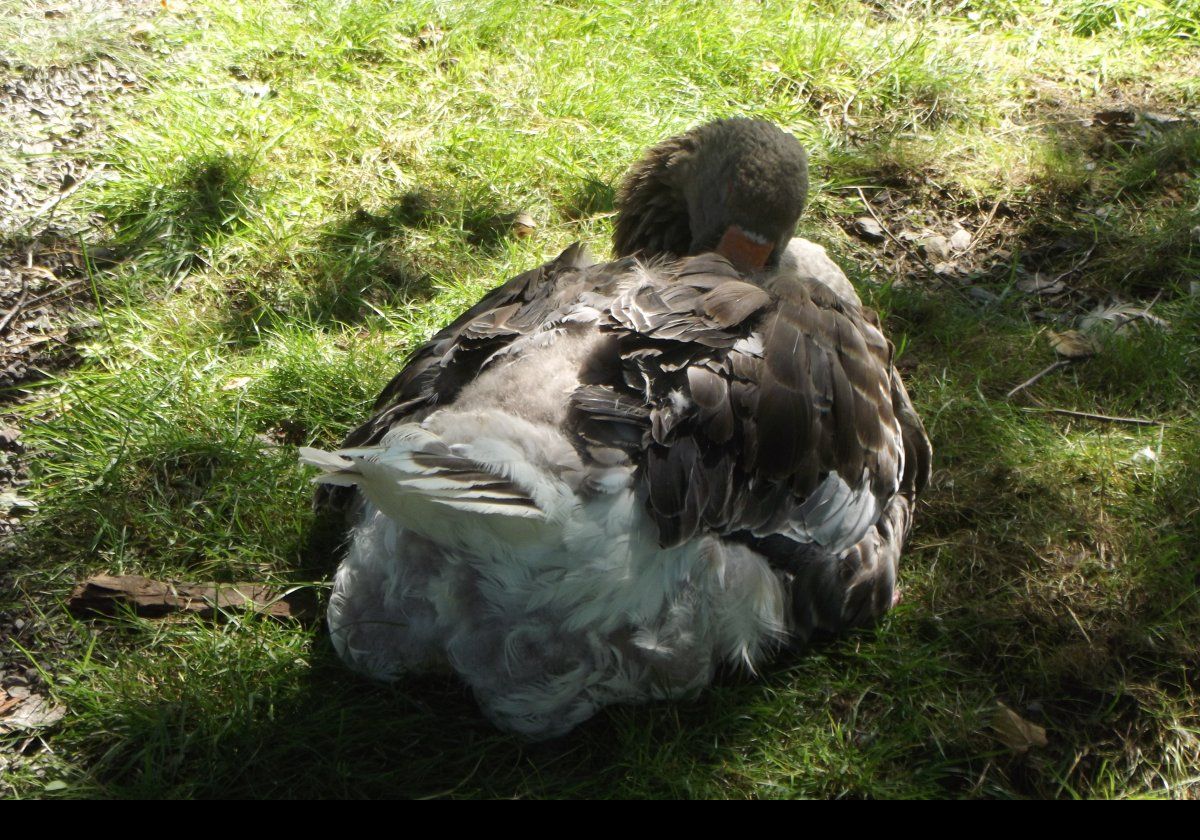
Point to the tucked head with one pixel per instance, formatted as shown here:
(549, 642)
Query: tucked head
(737, 186)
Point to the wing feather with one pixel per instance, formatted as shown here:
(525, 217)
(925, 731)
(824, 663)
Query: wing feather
(755, 399)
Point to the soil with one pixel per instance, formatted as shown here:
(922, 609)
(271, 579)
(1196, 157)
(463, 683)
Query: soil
(52, 119)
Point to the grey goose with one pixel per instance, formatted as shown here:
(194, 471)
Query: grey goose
(605, 480)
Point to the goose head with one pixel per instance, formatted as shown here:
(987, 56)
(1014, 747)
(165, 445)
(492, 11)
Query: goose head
(734, 186)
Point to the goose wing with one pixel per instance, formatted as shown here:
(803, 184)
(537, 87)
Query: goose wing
(764, 410)
(441, 367)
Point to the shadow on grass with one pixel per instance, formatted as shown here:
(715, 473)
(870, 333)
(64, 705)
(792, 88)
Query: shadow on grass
(172, 226)
(1111, 207)
(367, 261)
(273, 729)
(591, 197)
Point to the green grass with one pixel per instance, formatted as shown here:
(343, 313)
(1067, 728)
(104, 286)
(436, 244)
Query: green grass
(306, 191)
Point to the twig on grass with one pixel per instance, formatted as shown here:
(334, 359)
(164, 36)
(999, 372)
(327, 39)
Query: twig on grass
(17, 307)
(1059, 364)
(1087, 415)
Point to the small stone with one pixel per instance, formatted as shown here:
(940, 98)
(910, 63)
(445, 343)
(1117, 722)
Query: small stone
(45, 147)
(961, 240)
(524, 225)
(936, 247)
(1145, 455)
(10, 437)
(255, 90)
(142, 31)
(869, 229)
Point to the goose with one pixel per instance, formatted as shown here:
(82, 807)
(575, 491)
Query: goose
(604, 482)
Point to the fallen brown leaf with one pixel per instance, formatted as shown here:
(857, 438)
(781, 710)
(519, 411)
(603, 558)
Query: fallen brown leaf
(1072, 344)
(102, 594)
(1016, 733)
(35, 712)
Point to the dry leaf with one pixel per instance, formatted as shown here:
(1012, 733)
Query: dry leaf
(1072, 344)
(1039, 284)
(36, 712)
(237, 383)
(1016, 733)
(105, 594)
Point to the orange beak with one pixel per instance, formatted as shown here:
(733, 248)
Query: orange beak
(744, 250)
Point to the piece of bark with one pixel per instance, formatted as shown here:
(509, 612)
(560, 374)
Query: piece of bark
(105, 594)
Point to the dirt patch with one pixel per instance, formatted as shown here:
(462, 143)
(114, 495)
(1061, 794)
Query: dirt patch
(1110, 218)
(56, 117)
(53, 118)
